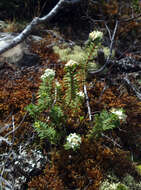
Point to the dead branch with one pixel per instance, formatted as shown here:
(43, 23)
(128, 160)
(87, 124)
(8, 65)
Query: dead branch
(127, 81)
(36, 21)
(14, 129)
(111, 140)
(87, 102)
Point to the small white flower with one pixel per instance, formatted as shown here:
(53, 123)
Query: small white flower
(81, 94)
(120, 113)
(96, 35)
(48, 73)
(106, 185)
(73, 140)
(57, 84)
(71, 63)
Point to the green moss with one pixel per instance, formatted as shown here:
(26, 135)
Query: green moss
(77, 53)
(107, 51)
(112, 182)
(106, 185)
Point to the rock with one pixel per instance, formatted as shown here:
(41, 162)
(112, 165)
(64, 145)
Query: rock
(14, 54)
(29, 60)
(19, 55)
(2, 25)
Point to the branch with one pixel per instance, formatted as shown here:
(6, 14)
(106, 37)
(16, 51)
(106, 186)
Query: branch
(14, 129)
(130, 19)
(126, 79)
(18, 39)
(110, 139)
(87, 101)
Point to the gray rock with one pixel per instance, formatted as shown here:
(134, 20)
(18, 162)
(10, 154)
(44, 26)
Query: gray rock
(20, 54)
(2, 25)
(13, 55)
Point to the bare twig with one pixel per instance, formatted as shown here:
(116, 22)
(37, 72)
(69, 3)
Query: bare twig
(5, 140)
(111, 47)
(13, 125)
(2, 129)
(126, 79)
(110, 36)
(87, 102)
(10, 132)
(130, 19)
(110, 139)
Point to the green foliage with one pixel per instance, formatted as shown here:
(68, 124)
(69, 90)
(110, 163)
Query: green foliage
(72, 83)
(121, 187)
(138, 168)
(47, 131)
(107, 185)
(135, 4)
(48, 113)
(130, 182)
(46, 98)
(127, 183)
(114, 183)
(52, 128)
(103, 122)
(33, 110)
(48, 116)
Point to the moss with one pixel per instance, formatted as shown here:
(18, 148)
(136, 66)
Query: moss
(77, 53)
(106, 185)
(114, 183)
(107, 51)
(138, 168)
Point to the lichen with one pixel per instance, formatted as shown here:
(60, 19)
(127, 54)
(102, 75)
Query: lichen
(77, 53)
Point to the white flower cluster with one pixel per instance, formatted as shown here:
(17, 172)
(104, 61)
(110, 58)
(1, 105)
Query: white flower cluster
(48, 73)
(96, 35)
(71, 63)
(120, 113)
(73, 141)
(106, 185)
(80, 94)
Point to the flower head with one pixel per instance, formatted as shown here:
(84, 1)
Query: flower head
(58, 85)
(48, 73)
(96, 35)
(80, 94)
(73, 141)
(120, 113)
(71, 63)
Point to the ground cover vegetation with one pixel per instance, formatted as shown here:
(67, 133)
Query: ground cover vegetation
(80, 108)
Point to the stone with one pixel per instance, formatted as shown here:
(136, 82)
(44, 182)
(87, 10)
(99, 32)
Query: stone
(13, 55)
(2, 24)
(29, 60)
(19, 55)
